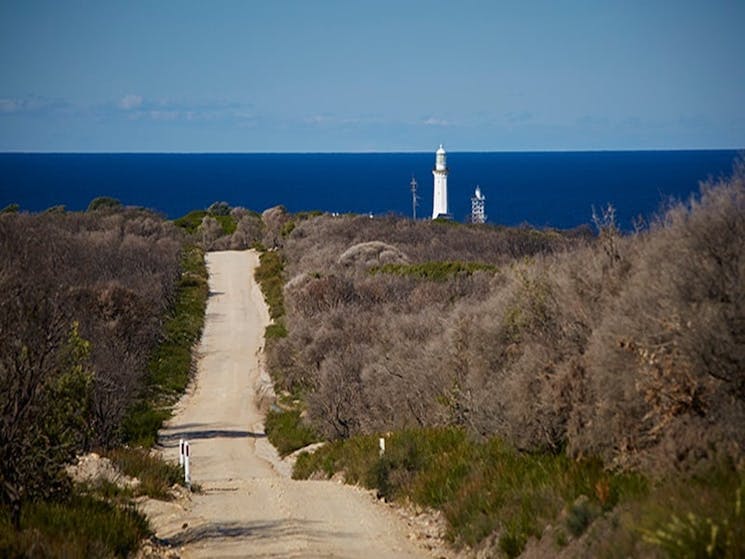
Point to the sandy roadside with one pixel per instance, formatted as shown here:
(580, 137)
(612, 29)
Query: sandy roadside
(247, 508)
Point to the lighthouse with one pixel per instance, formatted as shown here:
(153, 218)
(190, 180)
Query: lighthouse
(440, 172)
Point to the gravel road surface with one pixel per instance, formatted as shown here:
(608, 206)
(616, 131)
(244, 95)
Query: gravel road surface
(248, 507)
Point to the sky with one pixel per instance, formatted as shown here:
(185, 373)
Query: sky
(371, 76)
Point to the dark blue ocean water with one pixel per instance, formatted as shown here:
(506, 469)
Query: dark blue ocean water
(555, 189)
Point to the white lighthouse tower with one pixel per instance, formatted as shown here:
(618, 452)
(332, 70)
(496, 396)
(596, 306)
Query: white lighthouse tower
(440, 172)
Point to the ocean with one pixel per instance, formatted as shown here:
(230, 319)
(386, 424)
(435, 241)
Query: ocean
(544, 189)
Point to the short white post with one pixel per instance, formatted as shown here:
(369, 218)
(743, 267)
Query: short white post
(381, 444)
(181, 452)
(187, 471)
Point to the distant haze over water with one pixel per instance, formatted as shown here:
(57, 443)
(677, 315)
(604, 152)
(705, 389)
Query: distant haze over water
(555, 189)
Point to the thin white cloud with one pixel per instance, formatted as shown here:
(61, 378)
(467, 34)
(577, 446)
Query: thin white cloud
(340, 120)
(164, 115)
(518, 117)
(433, 121)
(31, 105)
(137, 108)
(9, 106)
(130, 102)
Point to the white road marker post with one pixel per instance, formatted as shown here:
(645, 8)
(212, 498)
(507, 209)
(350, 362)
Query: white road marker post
(187, 471)
(181, 452)
(381, 444)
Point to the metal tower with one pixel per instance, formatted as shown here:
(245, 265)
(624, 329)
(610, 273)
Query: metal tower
(478, 202)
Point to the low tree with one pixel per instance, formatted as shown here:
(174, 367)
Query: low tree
(104, 203)
(45, 388)
(219, 208)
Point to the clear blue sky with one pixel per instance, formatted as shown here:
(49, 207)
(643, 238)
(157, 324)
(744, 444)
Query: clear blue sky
(315, 75)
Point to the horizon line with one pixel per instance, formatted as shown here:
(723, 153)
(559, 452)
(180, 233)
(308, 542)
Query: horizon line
(368, 152)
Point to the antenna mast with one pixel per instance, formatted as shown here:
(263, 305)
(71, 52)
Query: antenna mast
(414, 197)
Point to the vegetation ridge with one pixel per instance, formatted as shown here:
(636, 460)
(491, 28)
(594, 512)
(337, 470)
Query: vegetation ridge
(552, 393)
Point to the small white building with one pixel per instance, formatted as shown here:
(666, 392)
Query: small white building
(440, 172)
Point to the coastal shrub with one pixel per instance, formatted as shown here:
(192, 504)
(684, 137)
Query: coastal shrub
(420, 241)
(542, 350)
(337, 404)
(222, 227)
(699, 517)
(191, 221)
(372, 254)
(80, 526)
(664, 368)
(482, 488)
(269, 276)
(104, 203)
(155, 474)
(435, 271)
(83, 296)
(287, 431)
(219, 209)
(141, 423)
(274, 220)
(275, 330)
(171, 362)
(624, 346)
(353, 458)
(227, 223)
(249, 230)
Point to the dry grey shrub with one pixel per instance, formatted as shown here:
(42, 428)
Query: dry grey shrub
(318, 294)
(403, 378)
(248, 231)
(116, 275)
(666, 365)
(336, 404)
(406, 380)
(372, 253)
(627, 346)
(66, 279)
(420, 241)
(273, 220)
(210, 231)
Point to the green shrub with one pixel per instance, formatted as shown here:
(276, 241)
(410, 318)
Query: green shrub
(141, 424)
(276, 330)
(191, 221)
(155, 474)
(287, 431)
(81, 526)
(104, 203)
(427, 464)
(481, 487)
(698, 517)
(580, 515)
(227, 222)
(287, 228)
(269, 276)
(355, 457)
(219, 209)
(434, 271)
(170, 366)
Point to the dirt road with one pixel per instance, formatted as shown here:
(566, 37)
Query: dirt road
(247, 508)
